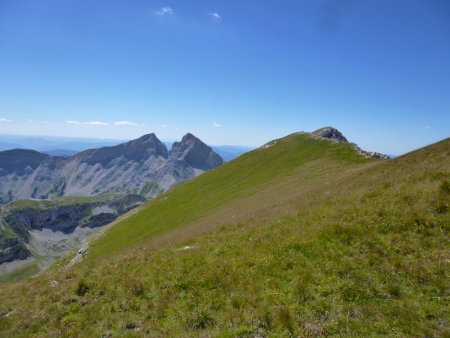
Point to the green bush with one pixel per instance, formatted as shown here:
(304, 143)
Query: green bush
(82, 289)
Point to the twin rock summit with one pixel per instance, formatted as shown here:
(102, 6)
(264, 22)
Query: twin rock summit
(142, 166)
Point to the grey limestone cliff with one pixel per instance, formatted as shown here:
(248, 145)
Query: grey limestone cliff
(142, 166)
(49, 229)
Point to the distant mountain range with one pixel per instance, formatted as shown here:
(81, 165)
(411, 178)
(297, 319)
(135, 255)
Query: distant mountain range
(50, 143)
(68, 146)
(144, 166)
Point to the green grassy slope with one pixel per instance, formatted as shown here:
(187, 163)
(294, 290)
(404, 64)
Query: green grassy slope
(297, 159)
(306, 239)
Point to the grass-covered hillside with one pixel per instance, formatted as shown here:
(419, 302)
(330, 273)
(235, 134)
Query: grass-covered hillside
(256, 185)
(303, 237)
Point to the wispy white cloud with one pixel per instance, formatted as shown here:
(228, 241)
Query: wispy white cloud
(89, 123)
(96, 123)
(30, 120)
(216, 125)
(164, 126)
(125, 123)
(215, 16)
(5, 120)
(164, 11)
(427, 127)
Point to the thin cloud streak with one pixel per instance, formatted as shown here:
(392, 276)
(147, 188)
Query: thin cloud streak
(97, 123)
(164, 11)
(89, 123)
(215, 16)
(125, 123)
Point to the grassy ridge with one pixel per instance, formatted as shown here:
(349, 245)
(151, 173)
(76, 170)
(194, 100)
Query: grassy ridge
(254, 172)
(335, 245)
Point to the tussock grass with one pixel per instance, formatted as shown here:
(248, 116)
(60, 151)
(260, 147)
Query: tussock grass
(323, 243)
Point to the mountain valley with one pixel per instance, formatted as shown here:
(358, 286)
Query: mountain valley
(50, 204)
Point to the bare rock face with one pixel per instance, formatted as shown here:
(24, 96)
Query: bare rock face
(138, 150)
(330, 133)
(334, 135)
(195, 153)
(12, 249)
(370, 154)
(143, 166)
(26, 228)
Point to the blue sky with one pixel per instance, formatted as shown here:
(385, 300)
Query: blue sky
(231, 72)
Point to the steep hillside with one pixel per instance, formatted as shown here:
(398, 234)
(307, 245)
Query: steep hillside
(142, 166)
(251, 184)
(306, 237)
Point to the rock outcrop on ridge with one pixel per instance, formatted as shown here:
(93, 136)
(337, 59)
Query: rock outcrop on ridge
(330, 133)
(334, 135)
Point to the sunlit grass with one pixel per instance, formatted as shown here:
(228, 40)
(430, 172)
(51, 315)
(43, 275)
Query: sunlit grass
(353, 248)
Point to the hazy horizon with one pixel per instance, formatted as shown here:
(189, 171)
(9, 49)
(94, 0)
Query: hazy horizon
(81, 138)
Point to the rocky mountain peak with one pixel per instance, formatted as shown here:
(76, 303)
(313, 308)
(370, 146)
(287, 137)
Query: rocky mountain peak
(188, 141)
(330, 133)
(147, 137)
(152, 138)
(189, 137)
(335, 135)
(137, 150)
(143, 165)
(195, 153)
(148, 143)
